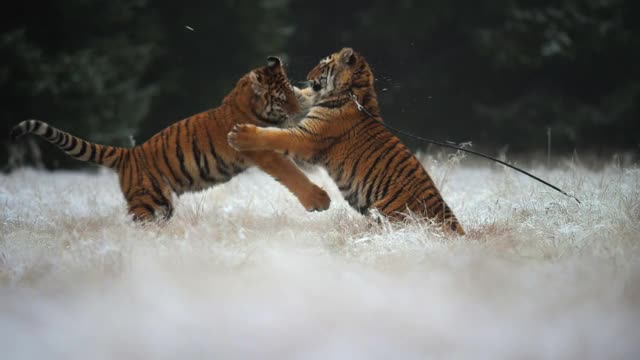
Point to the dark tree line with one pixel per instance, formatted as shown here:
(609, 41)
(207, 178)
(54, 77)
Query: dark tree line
(497, 72)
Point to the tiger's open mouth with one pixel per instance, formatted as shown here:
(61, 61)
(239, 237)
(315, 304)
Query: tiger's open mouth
(316, 85)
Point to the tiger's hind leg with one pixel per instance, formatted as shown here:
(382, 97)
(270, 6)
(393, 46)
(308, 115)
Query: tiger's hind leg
(436, 210)
(148, 198)
(146, 204)
(443, 214)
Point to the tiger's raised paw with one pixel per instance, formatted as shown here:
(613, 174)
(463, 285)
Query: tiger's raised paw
(243, 137)
(316, 199)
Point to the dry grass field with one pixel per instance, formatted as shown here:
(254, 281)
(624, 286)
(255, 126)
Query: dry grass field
(242, 271)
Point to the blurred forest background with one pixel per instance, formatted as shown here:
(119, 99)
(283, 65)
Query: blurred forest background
(499, 73)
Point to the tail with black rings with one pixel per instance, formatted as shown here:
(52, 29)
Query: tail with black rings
(77, 148)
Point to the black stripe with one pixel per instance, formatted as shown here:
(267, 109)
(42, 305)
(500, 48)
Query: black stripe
(83, 149)
(191, 136)
(387, 170)
(204, 168)
(115, 160)
(36, 126)
(374, 165)
(340, 165)
(428, 198)
(129, 166)
(111, 151)
(72, 143)
(175, 180)
(393, 198)
(307, 131)
(365, 180)
(372, 142)
(397, 208)
(156, 191)
(401, 166)
(379, 177)
(100, 150)
(92, 155)
(221, 166)
(363, 125)
(197, 156)
(65, 141)
(418, 196)
(402, 187)
(123, 166)
(48, 132)
(139, 164)
(313, 117)
(165, 141)
(161, 200)
(361, 155)
(410, 173)
(424, 185)
(59, 138)
(342, 188)
(379, 130)
(205, 133)
(120, 158)
(321, 137)
(180, 156)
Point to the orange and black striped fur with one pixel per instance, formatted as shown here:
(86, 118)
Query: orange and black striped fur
(370, 165)
(193, 154)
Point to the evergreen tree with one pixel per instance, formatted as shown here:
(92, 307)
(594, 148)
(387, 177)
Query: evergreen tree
(79, 65)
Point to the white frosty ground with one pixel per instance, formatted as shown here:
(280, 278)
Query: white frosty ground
(242, 271)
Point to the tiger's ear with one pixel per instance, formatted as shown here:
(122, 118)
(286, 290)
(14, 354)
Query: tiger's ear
(348, 56)
(256, 83)
(273, 61)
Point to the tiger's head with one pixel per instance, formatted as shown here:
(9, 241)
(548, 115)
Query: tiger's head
(273, 101)
(340, 73)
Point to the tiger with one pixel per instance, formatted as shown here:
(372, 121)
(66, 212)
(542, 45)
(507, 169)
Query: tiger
(372, 168)
(193, 154)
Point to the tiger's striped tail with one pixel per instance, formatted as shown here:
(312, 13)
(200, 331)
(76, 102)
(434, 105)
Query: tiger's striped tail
(109, 156)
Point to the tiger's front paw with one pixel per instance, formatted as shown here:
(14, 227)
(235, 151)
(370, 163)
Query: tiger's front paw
(243, 137)
(316, 199)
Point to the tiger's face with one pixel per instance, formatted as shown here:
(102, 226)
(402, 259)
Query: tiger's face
(336, 73)
(274, 100)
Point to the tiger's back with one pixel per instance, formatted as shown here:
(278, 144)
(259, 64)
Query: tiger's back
(192, 154)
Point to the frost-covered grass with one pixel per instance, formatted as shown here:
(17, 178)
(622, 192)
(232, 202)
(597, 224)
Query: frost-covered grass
(242, 271)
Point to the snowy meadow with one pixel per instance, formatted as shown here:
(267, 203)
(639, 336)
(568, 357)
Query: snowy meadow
(242, 271)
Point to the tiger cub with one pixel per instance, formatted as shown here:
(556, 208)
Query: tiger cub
(370, 165)
(193, 154)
